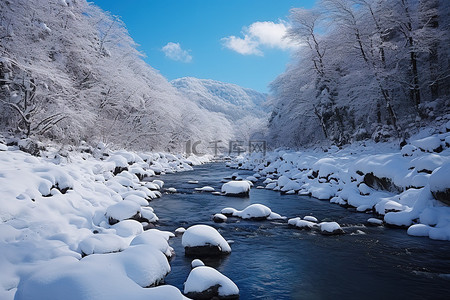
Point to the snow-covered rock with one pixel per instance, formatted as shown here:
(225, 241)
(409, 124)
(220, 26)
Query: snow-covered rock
(374, 222)
(156, 239)
(310, 219)
(219, 218)
(440, 183)
(196, 263)
(204, 240)
(123, 210)
(102, 243)
(428, 144)
(205, 189)
(253, 212)
(330, 228)
(236, 188)
(205, 282)
(301, 224)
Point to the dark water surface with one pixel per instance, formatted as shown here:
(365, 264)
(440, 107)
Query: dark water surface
(269, 260)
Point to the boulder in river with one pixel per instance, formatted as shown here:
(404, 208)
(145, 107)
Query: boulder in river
(204, 241)
(236, 188)
(205, 282)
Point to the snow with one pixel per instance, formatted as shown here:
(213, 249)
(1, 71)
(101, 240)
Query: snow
(404, 187)
(204, 235)
(440, 179)
(236, 187)
(428, 144)
(253, 211)
(330, 227)
(205, 189)
(419, 230)
(156, 239)
(102, 243)
(44, 232)
(375, 221)
(127, 228)
(202, 278)
(192, 181)
(123, 210)
(302, 224)
(220, 218)
(106, 276)
(310, 219)
(197, 263)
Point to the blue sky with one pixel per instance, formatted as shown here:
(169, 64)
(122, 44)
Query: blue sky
(236, 41)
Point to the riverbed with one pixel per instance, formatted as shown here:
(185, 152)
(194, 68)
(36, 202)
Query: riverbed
(269, 260)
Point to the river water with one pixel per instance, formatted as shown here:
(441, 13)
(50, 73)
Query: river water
(269, 260)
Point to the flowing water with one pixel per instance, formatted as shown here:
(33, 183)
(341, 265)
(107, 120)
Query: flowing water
(269, 260)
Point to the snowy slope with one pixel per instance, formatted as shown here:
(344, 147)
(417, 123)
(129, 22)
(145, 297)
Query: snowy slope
(230, 99)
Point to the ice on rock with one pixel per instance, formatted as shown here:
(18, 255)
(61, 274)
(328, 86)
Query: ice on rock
(205, 283)
(236, 188)
(204, 240)
(330, 228)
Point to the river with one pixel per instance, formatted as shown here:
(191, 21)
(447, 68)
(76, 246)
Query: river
(269, 260)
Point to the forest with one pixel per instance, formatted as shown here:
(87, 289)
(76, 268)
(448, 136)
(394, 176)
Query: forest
(365, 70)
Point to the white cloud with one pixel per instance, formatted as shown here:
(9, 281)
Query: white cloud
(175, 52)
(258, 35)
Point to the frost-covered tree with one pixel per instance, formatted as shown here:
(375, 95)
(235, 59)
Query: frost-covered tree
(70, 71)
(365, 69)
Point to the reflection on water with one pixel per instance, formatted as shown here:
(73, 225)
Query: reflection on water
(271, 261)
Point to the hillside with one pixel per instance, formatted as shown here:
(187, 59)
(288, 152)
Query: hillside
(243, 107)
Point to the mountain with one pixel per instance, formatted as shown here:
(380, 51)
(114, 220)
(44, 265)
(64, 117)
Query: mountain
(244, 108)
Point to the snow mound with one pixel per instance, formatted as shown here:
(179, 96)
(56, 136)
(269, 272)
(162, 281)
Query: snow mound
(197, 263)
(236, 188)
(128, 228)
(102, 243)
(204, 236)
(156, 239)
(330, 228)
(302, 224)
(100, 277)
(209, 282)
(122, 210)
(205, 189)
(254, 212)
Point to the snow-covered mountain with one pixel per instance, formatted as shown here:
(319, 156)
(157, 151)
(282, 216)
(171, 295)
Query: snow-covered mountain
(229, 99)
(244, 108)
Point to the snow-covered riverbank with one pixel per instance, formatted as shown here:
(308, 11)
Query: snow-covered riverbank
(407, 188)
(66, 204)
